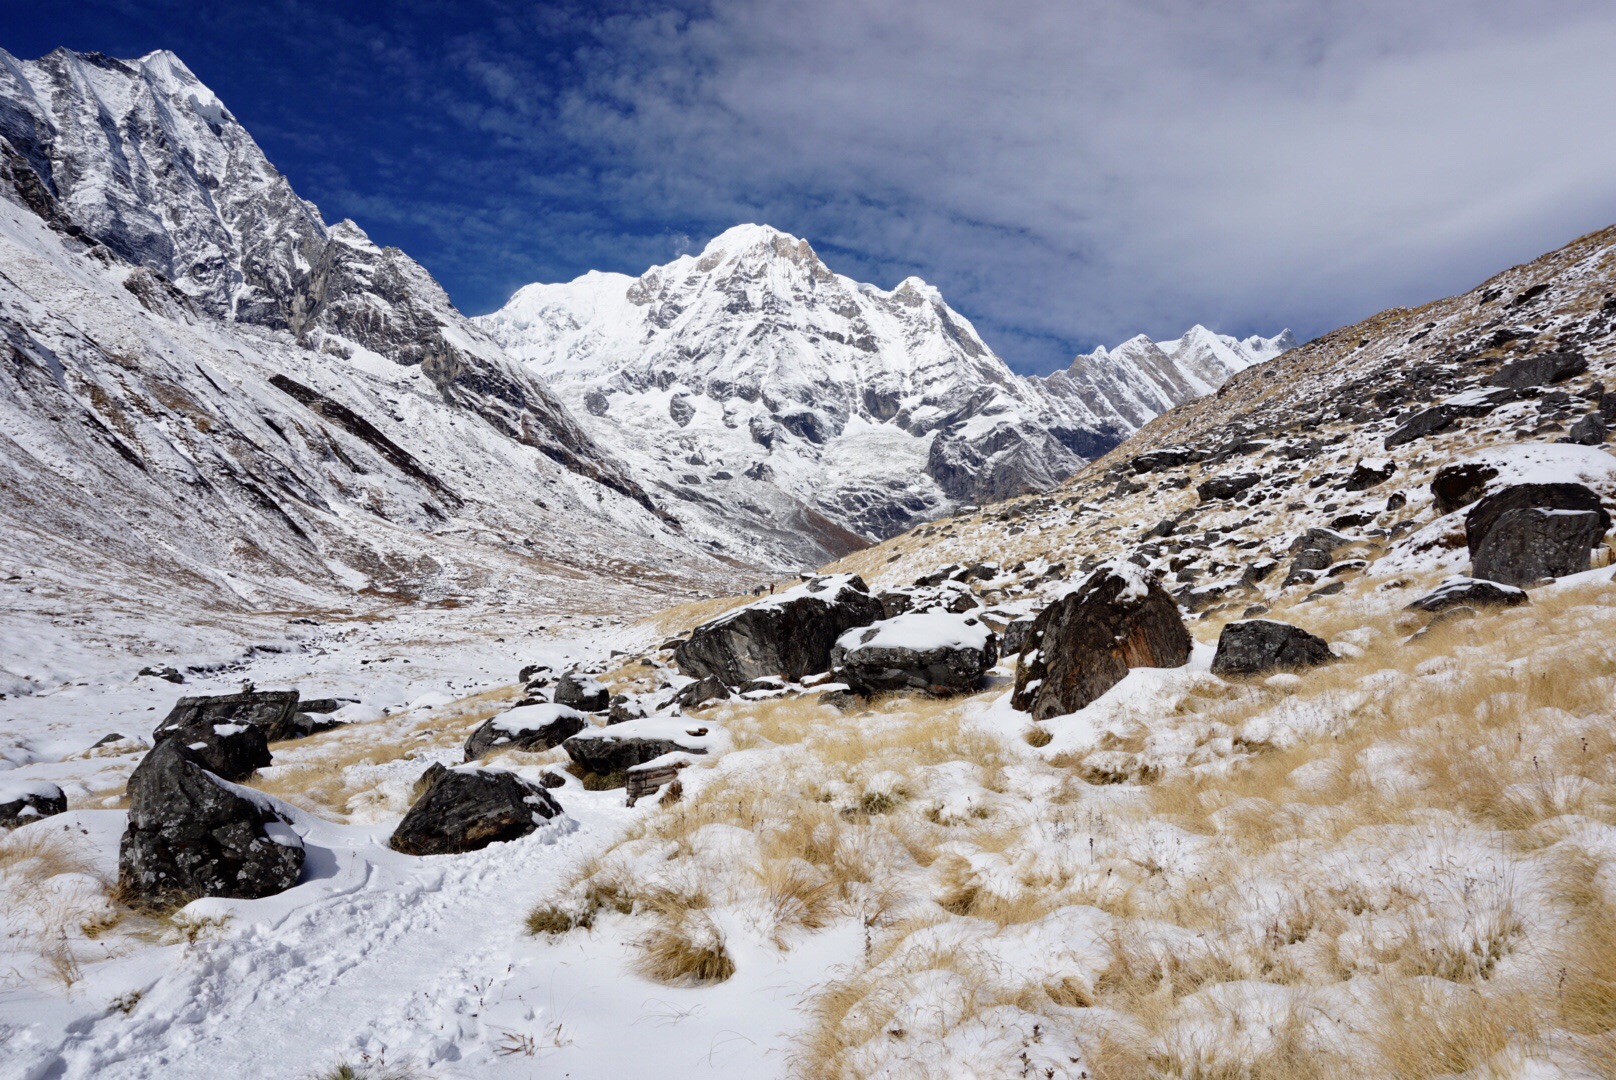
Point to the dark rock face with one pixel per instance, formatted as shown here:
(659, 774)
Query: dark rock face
(1226, 487)
(1469, 593)
(606, 754)
(1369, 473)
(703, 691)
(1157, 460)
(1532, 531)
(1015, 634)
(582, 693)
(1545, 369)
(1589, 431)
(228, 734)
(531, 728)
(1083, 644)
(191, 835)
(29, 802)
(869, 666)
(1459, 485)
(468, 808)
(1259, 646)
(789, 636)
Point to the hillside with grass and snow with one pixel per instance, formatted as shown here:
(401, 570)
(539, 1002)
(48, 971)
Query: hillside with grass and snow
(353, 726)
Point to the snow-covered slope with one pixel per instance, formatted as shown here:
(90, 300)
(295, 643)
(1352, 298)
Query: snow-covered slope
(144, 159)
(214, 404)
(755, 384)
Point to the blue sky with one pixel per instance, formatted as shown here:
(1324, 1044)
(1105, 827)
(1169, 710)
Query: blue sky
(1067, 173)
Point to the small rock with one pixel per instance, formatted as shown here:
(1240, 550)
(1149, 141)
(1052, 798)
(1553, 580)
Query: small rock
(23, 801)
(166, 673)
(928, 651)
(704, 691)
(1589, 431)
(1260, 646)
(1369, 473)
(1469, 592)
(530, 728)
(581, 692)
(1226, 487)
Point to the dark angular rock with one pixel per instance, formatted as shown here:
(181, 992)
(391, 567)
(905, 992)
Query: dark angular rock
(579, 691)
(895, 602)
(1589, 431)
(1165, 527)
(469, 807)
(1461, 484)
(23, 801)
(1084, 643)
(1157, 460)
(1226, 487)
(531, 728)
(1471, 593)
(1259, 646)
(1328, 590)
(168, 674)
(1367, 474)
(274, 712)
(604, 754)
(789, 635)
(915, 652)
(1543, 369)
(1015, 634)
(1439, 418)
(228, 734)
(538, 676)
(625, 708)
(192, 834)
(703, 691)
(1530, 543)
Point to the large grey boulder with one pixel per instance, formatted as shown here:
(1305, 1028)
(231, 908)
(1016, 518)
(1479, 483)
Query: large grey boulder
(469, 807)
(1226, 487)
(789, 635)
(934, 651)
(612, 751)
(1260, 646)
(1084, 643)
(192, 834)
(24, 801)
(229, 734)
(1527, 532)
(528, 727)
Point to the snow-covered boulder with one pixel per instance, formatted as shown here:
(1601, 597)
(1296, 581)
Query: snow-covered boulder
(613, 750)
(1260, 646)
(934, 651)
(789, 635)
(1531, 531)
(704, 691)
(23, 801)
(469, 807)
(192, 834)
(1469, 593)
(581, 692)
(1488, 471)
(527, 727)
(1085, 642)
(228, 734)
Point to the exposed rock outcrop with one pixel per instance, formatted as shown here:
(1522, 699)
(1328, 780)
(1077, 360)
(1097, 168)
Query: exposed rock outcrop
(1084, 643)
(935, 652)
(529, 727)
(789, 635)
(193, 834)
(1260, 646)
(469, 807)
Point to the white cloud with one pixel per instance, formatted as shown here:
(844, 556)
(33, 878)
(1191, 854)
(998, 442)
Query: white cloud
(1077, 172)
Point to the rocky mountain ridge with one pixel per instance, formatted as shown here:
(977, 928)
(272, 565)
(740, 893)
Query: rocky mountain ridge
(753, 382)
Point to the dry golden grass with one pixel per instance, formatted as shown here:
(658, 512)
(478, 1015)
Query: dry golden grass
(683, 945)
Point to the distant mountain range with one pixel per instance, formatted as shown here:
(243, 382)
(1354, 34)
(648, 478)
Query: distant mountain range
(195, 343)
(766, 391)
